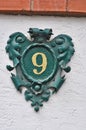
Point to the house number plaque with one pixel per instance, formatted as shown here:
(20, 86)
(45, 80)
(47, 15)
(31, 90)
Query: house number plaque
(39, 63)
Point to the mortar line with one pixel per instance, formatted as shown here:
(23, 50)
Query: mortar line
(31, 5)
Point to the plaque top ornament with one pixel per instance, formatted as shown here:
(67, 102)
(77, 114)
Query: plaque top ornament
(39, 63)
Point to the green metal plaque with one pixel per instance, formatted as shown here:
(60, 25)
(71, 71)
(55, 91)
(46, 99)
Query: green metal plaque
(39, 63)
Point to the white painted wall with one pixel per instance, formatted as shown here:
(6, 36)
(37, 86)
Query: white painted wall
(65, 110)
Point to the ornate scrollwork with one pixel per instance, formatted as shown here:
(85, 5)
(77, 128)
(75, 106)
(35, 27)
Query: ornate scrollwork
(39, 63)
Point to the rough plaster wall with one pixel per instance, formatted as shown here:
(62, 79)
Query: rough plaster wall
(65, 110)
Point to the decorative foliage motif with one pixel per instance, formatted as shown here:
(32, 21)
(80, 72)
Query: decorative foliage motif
(39, 63)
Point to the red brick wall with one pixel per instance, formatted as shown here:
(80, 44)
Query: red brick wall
(46, 7)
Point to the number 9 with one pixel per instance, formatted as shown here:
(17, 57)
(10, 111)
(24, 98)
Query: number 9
(43, 65)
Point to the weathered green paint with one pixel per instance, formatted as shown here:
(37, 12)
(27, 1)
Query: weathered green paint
(39, 63)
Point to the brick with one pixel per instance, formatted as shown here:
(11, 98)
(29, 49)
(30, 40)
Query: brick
(14, 5)
(77, 6)
(48, 6)
(62, 7)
